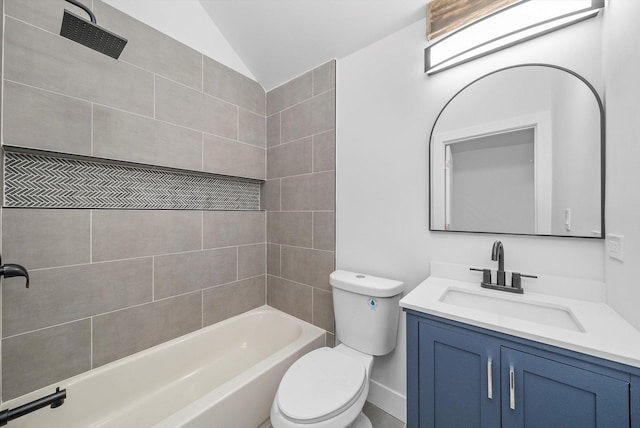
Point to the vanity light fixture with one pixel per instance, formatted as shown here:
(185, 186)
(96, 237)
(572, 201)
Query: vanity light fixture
(519, 22)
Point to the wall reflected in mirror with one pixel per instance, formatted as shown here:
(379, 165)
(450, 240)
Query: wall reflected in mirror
(519, 151)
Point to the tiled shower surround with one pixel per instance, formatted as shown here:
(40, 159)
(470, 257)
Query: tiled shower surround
(106, 283)
(299, 196)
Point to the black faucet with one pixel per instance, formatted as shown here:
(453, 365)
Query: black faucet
(10, 270)
(497, 253)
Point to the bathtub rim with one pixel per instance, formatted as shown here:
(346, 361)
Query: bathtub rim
(306, 327)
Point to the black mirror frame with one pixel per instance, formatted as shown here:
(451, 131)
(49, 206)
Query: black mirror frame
(602, 152)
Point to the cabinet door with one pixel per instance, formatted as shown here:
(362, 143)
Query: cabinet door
(538, 392)
(459, 378)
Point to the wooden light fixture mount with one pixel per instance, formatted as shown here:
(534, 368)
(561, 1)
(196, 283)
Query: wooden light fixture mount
(444, 16)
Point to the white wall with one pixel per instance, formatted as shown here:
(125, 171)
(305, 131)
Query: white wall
(187, 22)
(622, 62)
(386, 107)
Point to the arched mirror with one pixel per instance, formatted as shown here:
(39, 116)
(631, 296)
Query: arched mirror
(520, 151)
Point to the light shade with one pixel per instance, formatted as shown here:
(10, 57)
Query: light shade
(517, 23)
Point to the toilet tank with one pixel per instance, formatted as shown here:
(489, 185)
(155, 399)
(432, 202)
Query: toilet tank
(366, 311)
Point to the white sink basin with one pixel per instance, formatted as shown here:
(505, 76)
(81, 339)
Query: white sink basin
(585, 326)
(514, 307)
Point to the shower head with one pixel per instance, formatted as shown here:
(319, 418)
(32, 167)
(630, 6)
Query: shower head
(90, 34)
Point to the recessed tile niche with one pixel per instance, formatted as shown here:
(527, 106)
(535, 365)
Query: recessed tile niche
(39, 181)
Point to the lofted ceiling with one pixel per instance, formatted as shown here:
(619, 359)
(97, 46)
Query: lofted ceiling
(281, 39)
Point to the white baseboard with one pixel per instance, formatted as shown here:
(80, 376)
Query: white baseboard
(388, 400)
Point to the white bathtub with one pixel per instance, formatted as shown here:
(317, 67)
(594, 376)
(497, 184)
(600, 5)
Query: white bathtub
(224, 375)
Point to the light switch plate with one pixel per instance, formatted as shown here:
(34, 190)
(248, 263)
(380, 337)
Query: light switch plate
(615, 246)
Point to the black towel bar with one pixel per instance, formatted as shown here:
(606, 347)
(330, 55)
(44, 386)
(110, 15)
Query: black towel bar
(54, 400)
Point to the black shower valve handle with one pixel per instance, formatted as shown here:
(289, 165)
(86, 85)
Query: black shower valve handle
(11, 270)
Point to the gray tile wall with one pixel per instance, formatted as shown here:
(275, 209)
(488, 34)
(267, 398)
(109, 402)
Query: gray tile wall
(299, 196)
(106, 284)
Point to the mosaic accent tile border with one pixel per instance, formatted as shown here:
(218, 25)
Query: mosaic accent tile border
(37, 181)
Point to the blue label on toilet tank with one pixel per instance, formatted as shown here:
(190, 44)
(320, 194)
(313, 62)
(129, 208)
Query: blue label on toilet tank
(372, 303)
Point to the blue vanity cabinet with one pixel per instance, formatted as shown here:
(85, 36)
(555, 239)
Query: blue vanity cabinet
(465, 376)
(540, 392)
(459, 379)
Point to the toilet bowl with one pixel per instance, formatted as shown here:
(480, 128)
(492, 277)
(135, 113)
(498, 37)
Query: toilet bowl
(327, 388)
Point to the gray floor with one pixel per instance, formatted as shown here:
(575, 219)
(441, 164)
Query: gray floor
(379, 418)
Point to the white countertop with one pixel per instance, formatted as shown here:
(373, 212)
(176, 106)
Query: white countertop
(606, 334)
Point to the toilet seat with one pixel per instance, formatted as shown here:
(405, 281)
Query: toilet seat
(320, 385)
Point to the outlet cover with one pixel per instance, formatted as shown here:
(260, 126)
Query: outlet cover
(615, 246)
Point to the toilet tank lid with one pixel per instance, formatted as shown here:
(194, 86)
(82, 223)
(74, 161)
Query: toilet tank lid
(368, 285)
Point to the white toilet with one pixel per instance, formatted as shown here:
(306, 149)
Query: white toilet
(327, 388)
